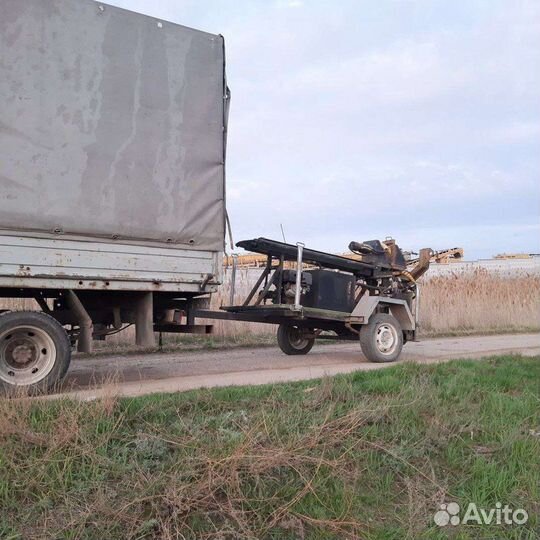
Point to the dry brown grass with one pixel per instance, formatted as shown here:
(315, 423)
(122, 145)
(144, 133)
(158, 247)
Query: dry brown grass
(480, 301)
(209, 487)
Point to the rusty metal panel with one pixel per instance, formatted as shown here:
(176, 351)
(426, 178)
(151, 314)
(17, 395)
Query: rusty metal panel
(111, 125)
(24, 262)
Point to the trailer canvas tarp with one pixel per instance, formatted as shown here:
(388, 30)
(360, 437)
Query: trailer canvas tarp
(112, 125)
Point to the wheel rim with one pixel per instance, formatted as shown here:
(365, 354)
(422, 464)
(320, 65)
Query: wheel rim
(27, 355)
(297, 339)
(386, 339)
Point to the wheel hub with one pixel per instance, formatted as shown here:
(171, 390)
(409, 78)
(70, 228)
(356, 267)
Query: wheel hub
(297, 338)
(23, 353)
(386, 339)
(27, 355)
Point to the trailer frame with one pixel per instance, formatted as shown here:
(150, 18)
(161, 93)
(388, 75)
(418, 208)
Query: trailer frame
(316, 323)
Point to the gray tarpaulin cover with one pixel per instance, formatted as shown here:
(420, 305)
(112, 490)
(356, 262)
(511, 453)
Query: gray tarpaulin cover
(112, 124)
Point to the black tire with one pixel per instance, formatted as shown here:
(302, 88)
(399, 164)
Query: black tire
(35, 352)
(291, 341)
(382, 338)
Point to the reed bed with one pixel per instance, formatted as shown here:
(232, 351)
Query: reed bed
(478, 302)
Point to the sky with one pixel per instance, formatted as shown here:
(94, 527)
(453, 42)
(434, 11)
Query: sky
(356, 120)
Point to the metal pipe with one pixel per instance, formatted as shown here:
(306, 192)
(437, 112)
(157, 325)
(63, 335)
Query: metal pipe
(233, 278)
(297, 305)
(416, 306)
(86, 327)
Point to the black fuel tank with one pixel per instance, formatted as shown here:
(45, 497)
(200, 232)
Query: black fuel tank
(330, 290)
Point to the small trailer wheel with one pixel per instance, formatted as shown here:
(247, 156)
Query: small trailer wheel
(35, 351)
(382, 338)
(291, 340)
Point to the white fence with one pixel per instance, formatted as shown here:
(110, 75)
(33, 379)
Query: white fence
(503, 267)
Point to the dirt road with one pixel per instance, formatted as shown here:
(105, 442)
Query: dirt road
(133, 375)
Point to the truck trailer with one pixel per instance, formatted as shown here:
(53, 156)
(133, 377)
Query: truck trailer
(113, 129)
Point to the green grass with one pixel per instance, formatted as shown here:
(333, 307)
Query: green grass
(368, 455)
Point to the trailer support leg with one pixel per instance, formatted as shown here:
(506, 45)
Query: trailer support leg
(144, 320)
(298, 290)
(84, 343)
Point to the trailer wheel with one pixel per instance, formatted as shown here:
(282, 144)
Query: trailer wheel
(34, 351)
(382, 338)
(291, 340)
